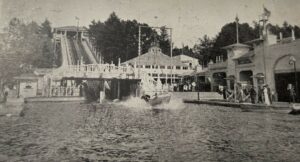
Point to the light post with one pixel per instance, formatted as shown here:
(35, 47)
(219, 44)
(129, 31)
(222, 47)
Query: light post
(292, 61)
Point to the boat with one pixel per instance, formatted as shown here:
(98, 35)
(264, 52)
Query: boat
(295, 109)
(153, 92)
(157, 99)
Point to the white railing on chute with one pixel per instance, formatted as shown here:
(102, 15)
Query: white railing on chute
(58, 91)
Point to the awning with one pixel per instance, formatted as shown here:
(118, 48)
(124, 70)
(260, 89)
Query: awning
(246, 55)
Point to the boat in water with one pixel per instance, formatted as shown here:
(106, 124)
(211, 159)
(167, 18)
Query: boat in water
(295, 109)
(157, 99)
(153, 92)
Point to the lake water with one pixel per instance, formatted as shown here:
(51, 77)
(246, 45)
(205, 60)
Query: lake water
(131, 131)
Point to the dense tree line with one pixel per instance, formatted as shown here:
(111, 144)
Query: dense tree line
(116, 38)
(25, 46)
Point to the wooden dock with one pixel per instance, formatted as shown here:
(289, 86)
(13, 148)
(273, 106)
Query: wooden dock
(275, 107)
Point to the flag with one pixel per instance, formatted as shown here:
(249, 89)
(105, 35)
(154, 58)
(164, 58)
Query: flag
(266, 13)
(77, 18)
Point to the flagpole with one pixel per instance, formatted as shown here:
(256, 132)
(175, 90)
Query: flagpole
(77, 27)
(265, 17)
(237, 29)
(139, 51)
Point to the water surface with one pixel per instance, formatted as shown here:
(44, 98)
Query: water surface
(120, 132)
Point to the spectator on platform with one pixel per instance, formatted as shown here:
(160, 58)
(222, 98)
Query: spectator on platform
(291, 92)
(189, 87)
(273, 95)
(252, 94)
(239, 92)
(185, 87)
(193, 86)
(267, 94)
(260, 95)
(224, 93)
(175, 87)
(246, 94)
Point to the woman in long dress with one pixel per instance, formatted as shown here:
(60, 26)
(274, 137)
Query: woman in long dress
(266, 95)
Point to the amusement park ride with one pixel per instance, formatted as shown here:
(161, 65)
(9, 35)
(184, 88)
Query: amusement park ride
(73, 76)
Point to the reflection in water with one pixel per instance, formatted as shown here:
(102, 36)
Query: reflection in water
(120, 132)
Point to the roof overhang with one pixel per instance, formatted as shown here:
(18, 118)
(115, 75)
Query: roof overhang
(236, 45)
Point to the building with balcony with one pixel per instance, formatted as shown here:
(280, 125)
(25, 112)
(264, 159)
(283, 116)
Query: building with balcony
(266, 60)
(162, 66)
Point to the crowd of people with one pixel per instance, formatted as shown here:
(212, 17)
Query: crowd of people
(247, 93)
(185, 86)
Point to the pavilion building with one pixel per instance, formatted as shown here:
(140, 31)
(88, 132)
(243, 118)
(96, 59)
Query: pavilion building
(162, 66)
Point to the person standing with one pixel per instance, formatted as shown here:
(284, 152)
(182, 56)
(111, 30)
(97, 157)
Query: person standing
(193, 86)
(269, 94)
(252, 94)
(291, 92)
(185, 87)
(189, 86)
(224, 92)
(266, 95)
(259, 95)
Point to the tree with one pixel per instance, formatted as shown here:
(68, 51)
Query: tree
(227, 36)
(204, 49)
(25, 46)
(164, 41)
(46, 28)
(285, 29)
(116, 38)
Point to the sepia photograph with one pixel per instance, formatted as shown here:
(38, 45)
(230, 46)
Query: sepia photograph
(149, 80)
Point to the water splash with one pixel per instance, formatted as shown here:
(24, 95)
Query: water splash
(137, 103)
(174, 104)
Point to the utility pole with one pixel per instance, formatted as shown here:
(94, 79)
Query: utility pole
(171, 53)
(139, 50)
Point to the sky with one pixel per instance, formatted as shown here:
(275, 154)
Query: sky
(189, 19)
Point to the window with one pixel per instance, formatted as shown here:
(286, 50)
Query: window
(177, 67)
(154, 67)
(162, 67)
(154, 75)
(185, 68)
(28, 87)
(140, 66)
(244, 61)
(147, 66)
(169, 67)
(162, 75)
